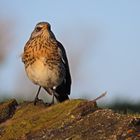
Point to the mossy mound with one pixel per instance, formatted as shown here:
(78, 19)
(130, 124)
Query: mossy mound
(74, 119)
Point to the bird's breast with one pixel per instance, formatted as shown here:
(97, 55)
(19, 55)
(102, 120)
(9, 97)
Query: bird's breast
(46, 74)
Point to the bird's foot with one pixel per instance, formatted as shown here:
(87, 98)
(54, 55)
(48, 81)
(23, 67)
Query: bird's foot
(49, 104)
(37, 100)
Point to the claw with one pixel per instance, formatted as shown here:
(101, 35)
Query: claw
(37, 100)
(49, 104)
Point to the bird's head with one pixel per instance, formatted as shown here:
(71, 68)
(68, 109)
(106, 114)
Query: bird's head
(42, 29)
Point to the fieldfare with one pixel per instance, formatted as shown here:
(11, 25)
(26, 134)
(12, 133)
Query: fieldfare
(46, 63)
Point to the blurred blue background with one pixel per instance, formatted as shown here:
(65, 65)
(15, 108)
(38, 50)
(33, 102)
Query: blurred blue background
(101, 39)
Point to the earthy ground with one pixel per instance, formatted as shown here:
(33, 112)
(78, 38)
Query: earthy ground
(70, 120)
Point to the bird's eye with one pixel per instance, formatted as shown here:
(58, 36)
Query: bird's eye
(38, 29)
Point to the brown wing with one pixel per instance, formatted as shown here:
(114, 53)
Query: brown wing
(64, 89)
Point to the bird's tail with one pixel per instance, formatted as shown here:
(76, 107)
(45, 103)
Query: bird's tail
(61, 98)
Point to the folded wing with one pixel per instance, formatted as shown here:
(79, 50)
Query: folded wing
(64, 89)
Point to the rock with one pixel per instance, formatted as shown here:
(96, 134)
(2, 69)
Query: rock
(7, 109)
(70, 120)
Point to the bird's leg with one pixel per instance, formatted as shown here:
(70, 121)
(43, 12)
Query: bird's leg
(51, 92)
(36, 97)
(52, 102)
(53, 96)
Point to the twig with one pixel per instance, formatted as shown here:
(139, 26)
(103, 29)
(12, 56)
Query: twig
(99, 97)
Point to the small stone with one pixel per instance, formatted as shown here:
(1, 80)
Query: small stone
(72, 117)
(130, 131)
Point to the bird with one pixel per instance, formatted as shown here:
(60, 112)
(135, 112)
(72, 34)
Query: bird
(46, 63)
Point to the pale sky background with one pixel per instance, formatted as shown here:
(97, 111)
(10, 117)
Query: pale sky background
(102, 40)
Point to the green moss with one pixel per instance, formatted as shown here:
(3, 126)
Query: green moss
(30, 118)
